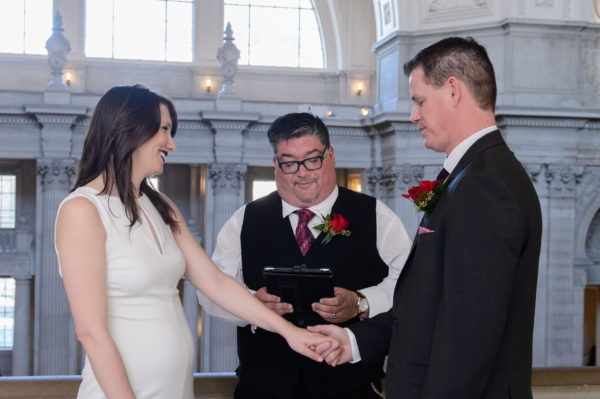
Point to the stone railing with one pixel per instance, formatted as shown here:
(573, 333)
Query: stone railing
(548, 383)
(206, 386)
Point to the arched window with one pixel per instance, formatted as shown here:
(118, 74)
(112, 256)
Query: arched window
(151, 30)
(26, 25)
(276, 32)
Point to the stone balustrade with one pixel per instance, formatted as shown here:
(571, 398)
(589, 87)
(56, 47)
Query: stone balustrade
(548, 383)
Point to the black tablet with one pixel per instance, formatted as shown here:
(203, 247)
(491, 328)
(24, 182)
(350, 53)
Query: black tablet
(301, 287)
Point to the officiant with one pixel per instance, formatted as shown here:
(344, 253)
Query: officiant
(285, 229)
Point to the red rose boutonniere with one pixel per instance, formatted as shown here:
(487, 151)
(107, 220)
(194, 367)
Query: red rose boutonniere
(426, 195)
(333, 225)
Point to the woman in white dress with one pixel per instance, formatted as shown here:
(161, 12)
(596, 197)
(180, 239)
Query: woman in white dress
(122, 249)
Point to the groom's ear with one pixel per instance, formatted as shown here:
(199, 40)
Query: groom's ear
(454, 89)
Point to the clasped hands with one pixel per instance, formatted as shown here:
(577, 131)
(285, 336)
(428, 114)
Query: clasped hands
(332, 343)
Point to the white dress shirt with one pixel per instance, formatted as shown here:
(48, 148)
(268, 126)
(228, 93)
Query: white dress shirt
(393, 245)
(449, 164)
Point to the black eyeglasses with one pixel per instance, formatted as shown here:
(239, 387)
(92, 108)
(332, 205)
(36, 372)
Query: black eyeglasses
(313, 163)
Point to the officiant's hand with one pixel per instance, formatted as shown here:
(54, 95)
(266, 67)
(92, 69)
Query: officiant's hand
(338, 309)
(273, 302)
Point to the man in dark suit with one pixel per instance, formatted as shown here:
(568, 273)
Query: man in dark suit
(279, 230)
(462, 321)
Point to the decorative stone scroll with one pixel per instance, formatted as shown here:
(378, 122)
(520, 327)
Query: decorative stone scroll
(227, 176)
(56, 174)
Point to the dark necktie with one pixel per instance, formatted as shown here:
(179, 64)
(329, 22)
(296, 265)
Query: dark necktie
(441, 176)
(304, 236)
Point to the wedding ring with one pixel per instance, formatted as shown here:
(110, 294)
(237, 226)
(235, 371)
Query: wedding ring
(334, 315)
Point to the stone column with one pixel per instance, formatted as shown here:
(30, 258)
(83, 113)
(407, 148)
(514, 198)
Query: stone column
(219, 343)
(57, 351)
(564, 301)
(190, 300)
(397, 180)
(536, 173)
(21, 361)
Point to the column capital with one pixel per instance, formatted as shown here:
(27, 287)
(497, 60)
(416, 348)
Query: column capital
(402, 177)
(227, 176)
(563, 179)
(56, 173)
(374, 179)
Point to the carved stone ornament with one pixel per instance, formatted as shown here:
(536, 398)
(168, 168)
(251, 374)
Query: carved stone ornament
(228, 56)
(563, 179)
(227, 175)
(374, 179)
(58, 47)
(56, 174)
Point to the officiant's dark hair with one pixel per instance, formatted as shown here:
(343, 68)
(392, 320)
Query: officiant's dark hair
(294, 125)
(124, 119)
(462, 58)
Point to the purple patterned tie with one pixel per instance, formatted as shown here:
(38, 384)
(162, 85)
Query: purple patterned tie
(304, 236)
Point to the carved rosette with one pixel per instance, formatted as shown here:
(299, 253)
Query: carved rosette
(227, 176)
(56, 173)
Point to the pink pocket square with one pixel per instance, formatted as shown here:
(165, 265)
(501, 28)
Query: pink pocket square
(424, 230)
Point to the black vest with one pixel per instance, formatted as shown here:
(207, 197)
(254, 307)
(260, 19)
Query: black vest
(267, 239)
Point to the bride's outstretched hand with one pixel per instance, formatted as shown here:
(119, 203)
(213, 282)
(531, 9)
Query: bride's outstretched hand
(312, 345)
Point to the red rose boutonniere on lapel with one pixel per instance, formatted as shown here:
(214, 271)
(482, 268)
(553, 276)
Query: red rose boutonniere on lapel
(426, 195)
(333, 225)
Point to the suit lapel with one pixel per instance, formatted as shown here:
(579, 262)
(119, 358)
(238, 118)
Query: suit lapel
(489, 140)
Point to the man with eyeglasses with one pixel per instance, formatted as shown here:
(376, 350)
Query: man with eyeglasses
(279, 230)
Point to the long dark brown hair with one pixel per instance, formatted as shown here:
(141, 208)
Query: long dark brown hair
(124, 119)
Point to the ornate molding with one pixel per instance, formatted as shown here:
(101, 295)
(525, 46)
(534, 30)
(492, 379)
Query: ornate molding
(401, 177)
(347, 131)
(193, 125)
(374, 178)
(227, 176)
(443, 10)
(562, 179)
(393, 178)
(56, 173)
(16, 120)
(541, 122)
(56, 119)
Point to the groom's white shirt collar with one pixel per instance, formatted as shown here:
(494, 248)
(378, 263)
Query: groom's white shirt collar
(457, 153)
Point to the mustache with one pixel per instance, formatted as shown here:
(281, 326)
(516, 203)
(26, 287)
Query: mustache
(305, 180)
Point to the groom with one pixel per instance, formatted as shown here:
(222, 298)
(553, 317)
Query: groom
(462, 321)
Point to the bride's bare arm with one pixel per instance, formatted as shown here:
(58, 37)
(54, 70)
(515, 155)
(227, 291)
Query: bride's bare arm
(80, 240)
(233, 297)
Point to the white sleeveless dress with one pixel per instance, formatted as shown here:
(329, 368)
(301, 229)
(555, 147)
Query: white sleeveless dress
(145, 315)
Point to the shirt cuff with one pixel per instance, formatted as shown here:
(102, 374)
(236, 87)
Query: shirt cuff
(355, 352)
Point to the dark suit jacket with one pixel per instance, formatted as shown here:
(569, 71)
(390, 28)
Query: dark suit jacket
(462, 321)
